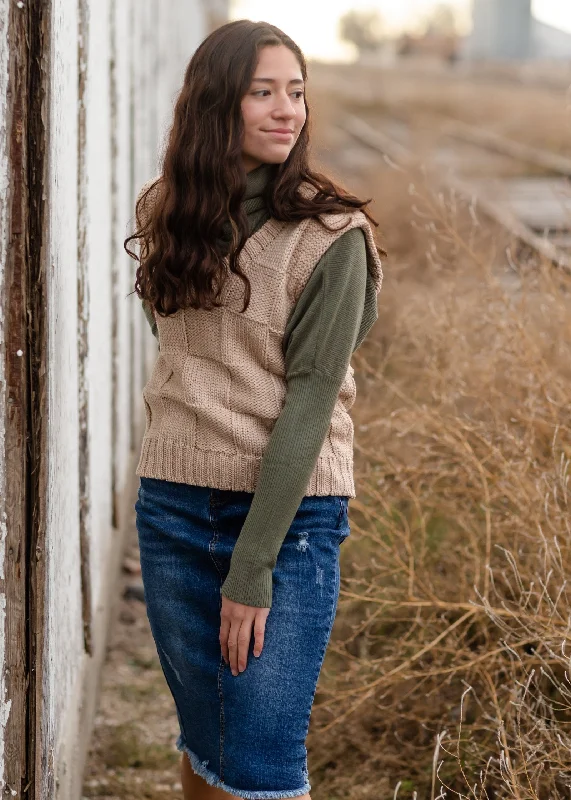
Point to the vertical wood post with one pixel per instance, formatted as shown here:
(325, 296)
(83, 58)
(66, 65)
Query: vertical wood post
(39, 27)
(15, 408)
(82, 329)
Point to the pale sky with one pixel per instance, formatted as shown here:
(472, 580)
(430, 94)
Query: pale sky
(313, 23)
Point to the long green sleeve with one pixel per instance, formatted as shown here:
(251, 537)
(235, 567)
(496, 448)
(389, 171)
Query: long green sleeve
(321, 335)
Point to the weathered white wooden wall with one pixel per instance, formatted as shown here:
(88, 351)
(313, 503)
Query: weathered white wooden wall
(110, 71)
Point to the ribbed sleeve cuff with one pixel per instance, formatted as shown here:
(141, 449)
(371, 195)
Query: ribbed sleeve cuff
(250, 584)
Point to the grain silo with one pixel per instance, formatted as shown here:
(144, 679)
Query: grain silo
(501, 30)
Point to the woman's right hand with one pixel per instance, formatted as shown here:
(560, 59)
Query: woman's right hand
(236, 623)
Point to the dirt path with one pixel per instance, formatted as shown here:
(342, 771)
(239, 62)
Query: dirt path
(132, 753)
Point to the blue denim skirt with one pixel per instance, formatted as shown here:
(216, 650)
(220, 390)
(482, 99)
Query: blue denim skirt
(244, 734)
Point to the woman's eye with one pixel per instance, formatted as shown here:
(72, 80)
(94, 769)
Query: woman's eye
(265, 92)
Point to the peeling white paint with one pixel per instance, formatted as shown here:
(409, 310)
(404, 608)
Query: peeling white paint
(6, 704)
(63, 633)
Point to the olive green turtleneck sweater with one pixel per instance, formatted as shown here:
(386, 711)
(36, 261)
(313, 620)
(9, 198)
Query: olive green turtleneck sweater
(332, 316)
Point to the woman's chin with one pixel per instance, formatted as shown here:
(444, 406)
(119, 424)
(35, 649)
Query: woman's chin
(273, 156)
(276, 156)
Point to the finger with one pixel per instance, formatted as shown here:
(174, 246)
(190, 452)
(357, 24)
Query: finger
(244, 637)
(259, 630)
(233, 645)
(224, 631)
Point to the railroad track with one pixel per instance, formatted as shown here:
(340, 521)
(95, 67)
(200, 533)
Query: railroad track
(524, 189)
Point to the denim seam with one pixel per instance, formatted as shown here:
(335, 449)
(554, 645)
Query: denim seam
(211, 547)
(222, 720)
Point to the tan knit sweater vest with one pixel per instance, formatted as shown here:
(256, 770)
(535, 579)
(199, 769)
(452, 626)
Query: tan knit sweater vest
(218, 384)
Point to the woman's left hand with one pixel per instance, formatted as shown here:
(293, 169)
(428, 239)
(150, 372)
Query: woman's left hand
(236, 622)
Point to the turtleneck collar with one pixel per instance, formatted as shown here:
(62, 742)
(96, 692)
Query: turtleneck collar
(256, 181)
(253, 202)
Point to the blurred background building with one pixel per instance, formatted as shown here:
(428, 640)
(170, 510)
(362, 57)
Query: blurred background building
(507, 29)
(381, 31)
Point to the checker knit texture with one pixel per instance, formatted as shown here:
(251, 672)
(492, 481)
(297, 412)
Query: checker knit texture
(218, 384)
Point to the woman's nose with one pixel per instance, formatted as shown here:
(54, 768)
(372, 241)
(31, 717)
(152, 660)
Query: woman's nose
(284, 108)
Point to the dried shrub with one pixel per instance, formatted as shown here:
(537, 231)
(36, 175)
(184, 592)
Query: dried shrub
(448, 672)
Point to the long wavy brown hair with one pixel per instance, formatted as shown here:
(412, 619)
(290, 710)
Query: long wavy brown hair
(181, 215)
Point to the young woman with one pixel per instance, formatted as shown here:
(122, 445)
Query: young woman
(259, 277)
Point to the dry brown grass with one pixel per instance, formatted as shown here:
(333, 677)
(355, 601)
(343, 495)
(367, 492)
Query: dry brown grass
(448, 674)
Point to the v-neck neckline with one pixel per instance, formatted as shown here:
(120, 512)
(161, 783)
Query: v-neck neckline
(265, 234)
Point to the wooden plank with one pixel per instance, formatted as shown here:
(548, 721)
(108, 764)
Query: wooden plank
(541, 203)
(513, 225)
(39, 25)
(562, 240)
(369, 136)
(115, 276)
(14, 407)
(377, 140)
(552, 162)
(82, 336)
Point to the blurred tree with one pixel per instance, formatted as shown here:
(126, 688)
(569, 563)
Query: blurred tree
(442, 21)
(364, 29)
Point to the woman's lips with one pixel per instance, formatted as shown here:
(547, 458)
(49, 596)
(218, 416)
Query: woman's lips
(283, 134)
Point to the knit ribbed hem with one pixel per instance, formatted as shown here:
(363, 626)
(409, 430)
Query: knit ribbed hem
(252, 585)
(173, 460)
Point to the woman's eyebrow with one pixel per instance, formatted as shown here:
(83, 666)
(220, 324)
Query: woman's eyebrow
(271, 80)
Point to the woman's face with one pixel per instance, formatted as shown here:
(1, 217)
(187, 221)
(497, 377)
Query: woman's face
(273, 108)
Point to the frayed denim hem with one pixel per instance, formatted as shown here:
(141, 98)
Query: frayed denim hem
(200, 767)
